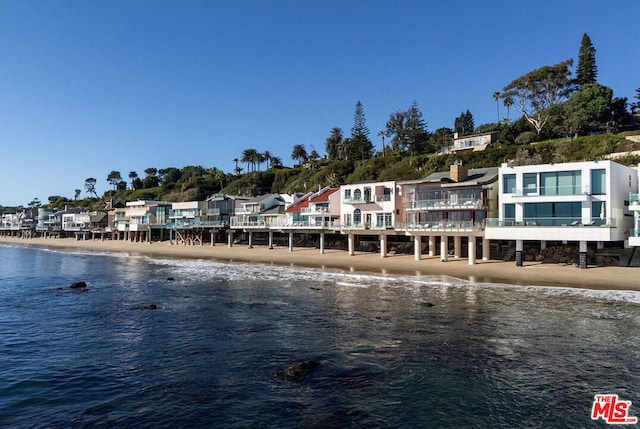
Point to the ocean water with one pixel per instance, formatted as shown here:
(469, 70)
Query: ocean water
(392, 351)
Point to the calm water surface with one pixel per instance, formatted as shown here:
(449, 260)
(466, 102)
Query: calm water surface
(394, 352)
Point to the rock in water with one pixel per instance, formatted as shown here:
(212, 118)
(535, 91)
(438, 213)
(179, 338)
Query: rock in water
(298, 370)
(78, 285)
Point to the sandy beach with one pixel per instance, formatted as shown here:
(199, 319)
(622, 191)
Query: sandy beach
(533, 273)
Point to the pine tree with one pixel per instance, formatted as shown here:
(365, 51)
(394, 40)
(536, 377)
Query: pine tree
(361, 146)
(586, 71)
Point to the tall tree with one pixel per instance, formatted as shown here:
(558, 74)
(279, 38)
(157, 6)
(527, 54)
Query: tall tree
(299, 153)
(408, 130)
(236, 160)
(464, 123)
(540, 89)
(267, 157)
(251, 157)
(589, 107)
(586, 72)
(90, 186)
(508, 102)
(76, 194)
(133, 176)
(361, 146)
(333, 143)
(496, 98)
(381, 134)
(114, 178)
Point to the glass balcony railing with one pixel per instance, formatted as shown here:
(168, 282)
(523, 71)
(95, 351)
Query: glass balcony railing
(551, 221)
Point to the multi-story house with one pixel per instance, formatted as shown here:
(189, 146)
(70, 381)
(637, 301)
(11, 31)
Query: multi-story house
(369, 210)
(583, 202)
(450, 204)
(323, 208)
(142, 216)
(473, 143)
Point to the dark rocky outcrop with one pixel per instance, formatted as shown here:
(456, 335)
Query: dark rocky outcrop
(78, 285)
(297, 370)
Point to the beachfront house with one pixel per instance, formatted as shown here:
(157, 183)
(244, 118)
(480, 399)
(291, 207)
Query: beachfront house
(141, 216)
(581, 202)
(453, 203)
(255, 212)
(188, 214)
(221, 208)
(369, 212)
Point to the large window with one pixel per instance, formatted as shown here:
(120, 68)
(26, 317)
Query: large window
(555, 214)
(357, 217)
(508, 183)
(509, 211)
(598, 181)
(530, 182)
(561, 183)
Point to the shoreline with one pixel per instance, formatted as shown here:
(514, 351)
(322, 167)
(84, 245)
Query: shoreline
(493, 271)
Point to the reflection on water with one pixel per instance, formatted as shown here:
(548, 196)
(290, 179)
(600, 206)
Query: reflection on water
(393, 351)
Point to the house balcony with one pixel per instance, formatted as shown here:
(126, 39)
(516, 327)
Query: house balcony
(248, 211)
(364, 200)
(213, 212)
(314, 211)
(441, 226)
(447, 204)
(551, 193)
(634, 202)
(383, 198)
(634, 237)
(365, 226)
(559, 228)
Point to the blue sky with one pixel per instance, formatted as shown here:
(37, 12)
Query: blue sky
(89, 87)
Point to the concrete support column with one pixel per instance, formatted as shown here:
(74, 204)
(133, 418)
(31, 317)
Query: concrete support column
(417, 247)
(444, 248)
(457, 246)
(383, 245)
(213, 237)
(583, 255)
(472, 250)
(350, 239)
(230, 238)
(519, 247)
(486, 249)
(432, 245)
(250, 239)
(270, 239)
(290, 241)
(322, 243)
(543, 244)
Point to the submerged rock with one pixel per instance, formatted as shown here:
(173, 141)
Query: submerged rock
(298, 370)
(170, 278)
(78, 285)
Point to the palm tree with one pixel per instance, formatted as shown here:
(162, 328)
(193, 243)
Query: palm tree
(259, 158)
(267, 157)
(236, 161)
(508, 102)
(249, 156)
(276, 161)
(299, 153)
(496, 97)
(381, 135)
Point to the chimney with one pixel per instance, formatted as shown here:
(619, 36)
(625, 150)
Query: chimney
(458, 172)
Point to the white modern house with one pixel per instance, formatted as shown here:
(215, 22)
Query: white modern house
(582, 202)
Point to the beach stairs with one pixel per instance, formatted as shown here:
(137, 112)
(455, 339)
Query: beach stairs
(630, 257)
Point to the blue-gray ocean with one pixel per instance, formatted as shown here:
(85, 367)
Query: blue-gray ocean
(393, 351)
